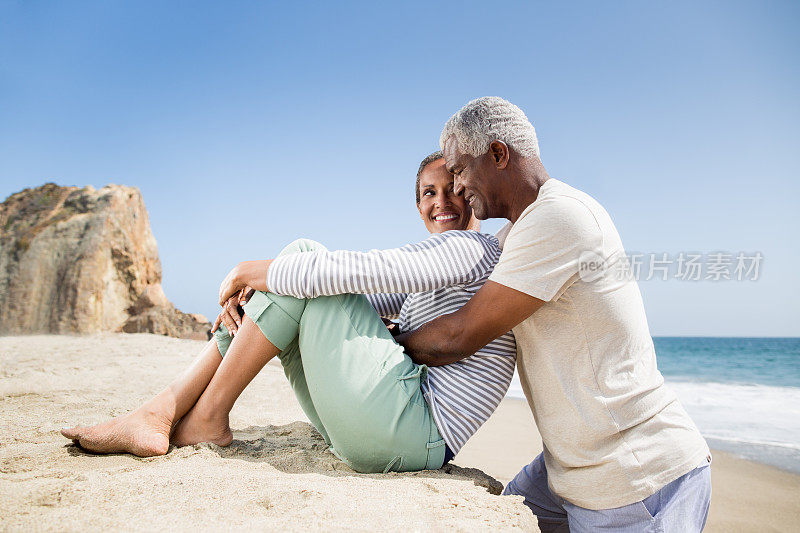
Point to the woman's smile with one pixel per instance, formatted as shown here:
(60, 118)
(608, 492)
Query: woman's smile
(439, 206)
(441, 217)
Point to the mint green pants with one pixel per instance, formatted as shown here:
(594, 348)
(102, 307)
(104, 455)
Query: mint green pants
(354, 382)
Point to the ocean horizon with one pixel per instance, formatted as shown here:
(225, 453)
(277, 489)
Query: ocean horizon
(742, 392)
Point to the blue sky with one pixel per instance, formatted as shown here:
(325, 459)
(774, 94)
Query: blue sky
(249, 124)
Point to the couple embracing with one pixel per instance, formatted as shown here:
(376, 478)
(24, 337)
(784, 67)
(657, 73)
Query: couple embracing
(620, 453)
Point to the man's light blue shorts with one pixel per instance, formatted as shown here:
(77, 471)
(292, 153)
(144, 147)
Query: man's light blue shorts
(680, 506)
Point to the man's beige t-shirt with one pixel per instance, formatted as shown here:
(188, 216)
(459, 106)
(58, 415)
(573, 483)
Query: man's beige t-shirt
(613, 434)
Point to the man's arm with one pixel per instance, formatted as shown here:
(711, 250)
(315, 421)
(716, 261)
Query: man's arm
(493, 311)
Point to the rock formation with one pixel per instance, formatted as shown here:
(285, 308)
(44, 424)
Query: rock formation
(83, 260)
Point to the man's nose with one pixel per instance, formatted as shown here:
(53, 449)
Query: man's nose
(458, 187)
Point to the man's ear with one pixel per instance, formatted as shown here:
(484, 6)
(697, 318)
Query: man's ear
(420, 213)
(500, 153)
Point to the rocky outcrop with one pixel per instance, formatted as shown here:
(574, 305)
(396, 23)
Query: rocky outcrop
(83, 260)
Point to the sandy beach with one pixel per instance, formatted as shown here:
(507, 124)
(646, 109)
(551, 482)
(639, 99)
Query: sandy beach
(747, 496)
(277, 474)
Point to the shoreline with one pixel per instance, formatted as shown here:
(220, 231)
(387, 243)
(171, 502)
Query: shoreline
(784, 457)
(722, 447)
(747, 495)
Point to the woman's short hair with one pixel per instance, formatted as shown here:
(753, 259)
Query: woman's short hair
(425, 162)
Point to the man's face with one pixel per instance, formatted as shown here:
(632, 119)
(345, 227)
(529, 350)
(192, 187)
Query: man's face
(473, 177)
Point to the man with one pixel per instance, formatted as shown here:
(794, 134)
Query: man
(620, 452)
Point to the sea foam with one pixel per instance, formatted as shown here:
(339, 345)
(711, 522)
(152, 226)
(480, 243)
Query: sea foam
(759, 422)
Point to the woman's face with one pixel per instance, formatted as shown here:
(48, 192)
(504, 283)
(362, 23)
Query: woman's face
(440, 208)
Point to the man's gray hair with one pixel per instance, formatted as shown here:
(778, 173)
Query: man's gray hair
(488, 119)
(425, 162)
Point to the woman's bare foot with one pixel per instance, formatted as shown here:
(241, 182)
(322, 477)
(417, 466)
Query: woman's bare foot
(143, 432)
(199, 426)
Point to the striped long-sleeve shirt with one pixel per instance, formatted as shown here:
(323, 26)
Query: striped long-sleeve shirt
(415, 284)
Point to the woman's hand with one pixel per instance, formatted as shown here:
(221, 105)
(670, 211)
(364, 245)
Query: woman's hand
(251, 274)
(231, 314)
(231, 285)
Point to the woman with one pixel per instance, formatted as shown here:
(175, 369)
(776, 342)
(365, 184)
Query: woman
(377, 410)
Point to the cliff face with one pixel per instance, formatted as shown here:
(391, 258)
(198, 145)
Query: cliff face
(83, 260)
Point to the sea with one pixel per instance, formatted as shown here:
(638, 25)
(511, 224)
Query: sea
(743, 393)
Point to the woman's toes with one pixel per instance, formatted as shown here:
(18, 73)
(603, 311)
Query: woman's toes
(71, 433)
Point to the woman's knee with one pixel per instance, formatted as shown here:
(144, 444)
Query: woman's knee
(278, 317)
(223, 339)
(301, 245)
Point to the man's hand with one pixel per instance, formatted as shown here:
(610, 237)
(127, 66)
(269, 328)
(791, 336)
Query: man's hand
(393, 328)
(493, 311)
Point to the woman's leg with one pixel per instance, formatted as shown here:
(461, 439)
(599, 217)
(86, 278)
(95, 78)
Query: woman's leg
(353, 381)
(366, 389)
(145, 432)
(207, 421)
(245, 356)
